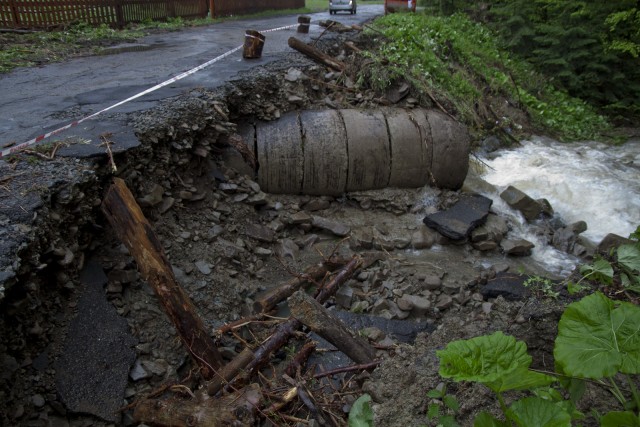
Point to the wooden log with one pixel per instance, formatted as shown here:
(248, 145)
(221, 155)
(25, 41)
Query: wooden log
(317, 318)
(342, 276)
(251, 362)
(230, 371)
(133, 229)
(315, 54)
(269, 300)
(234, 409)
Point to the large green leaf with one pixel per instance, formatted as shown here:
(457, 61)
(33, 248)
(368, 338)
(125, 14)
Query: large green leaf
(536, 412)
(629, 256)
(600, 270)
(620, 419)
(483, 359)
(361, 414)
(596, 339)
(485, 419)
(520, 379)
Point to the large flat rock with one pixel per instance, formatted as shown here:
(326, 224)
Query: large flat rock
(458, 221)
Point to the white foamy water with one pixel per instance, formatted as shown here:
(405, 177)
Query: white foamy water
(587, 181)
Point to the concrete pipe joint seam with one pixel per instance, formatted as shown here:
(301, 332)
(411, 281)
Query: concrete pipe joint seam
(330, 152)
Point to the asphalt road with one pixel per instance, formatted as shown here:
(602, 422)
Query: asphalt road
(37, 100)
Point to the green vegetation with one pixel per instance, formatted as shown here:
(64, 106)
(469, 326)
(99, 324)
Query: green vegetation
(541, 287)
(22, 50)
(590, 49)
(597, 340)
(460, 61)
(620, 268)
(361, 414)
(443, 409)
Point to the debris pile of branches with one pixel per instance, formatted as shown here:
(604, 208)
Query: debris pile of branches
(271, 376)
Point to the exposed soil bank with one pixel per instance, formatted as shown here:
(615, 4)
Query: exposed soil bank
(228, 241)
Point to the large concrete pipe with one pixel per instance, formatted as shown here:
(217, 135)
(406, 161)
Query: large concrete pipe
(335, 151)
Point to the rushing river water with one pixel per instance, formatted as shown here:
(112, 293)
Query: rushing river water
(588, 181)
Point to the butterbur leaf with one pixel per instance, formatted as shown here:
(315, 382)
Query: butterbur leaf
(619, 419)
(596, 339)
(574, 386)
(483, 359)
(485, 419)
(361, 414)
(520, 379)
(629, 256)
(536, 412)
(600, 270)
(548, 393)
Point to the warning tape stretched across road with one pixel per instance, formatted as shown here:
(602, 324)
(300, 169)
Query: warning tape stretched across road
(39, 138)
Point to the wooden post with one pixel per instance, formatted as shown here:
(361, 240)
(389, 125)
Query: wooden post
(120, 19)
(312, 314)
(303, 24)
(133, 229)
(253, 44)
(14, 13)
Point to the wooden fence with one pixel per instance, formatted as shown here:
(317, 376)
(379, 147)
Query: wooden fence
(117, 13)
(245, 7)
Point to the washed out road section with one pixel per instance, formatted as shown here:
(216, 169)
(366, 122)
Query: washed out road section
(38, 100)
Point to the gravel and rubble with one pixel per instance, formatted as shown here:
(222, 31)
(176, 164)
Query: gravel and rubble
(228, 242)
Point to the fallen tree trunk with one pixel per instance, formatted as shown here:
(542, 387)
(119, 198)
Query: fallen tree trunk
(317, 318)
(133, 229)
(234, 409)
(316, 54)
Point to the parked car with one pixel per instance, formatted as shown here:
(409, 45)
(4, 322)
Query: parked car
(391, 6)
(342, 5)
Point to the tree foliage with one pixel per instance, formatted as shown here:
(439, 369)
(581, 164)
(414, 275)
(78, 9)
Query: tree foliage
(590, 48)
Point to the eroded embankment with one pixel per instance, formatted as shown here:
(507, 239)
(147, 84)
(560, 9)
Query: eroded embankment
(226, 239)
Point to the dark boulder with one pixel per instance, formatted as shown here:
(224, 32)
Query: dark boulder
(517, 247)
(565, 238)
(508, 285)
(611, 241)
(458, 221)
(518, 200)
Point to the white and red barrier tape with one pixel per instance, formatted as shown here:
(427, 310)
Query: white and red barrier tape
(16, 148)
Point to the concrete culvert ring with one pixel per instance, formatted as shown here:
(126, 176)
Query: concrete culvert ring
(331, 152)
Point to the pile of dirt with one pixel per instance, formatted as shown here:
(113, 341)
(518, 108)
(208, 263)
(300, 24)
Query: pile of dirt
(228, 242)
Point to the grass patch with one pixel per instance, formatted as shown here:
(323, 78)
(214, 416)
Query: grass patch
(461, 61)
